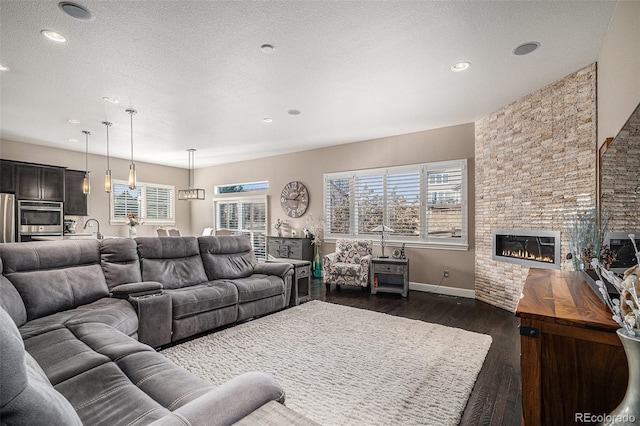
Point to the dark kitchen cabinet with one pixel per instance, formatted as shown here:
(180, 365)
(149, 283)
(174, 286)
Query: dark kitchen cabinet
(75, 201)
(7, 177)
(39, 183)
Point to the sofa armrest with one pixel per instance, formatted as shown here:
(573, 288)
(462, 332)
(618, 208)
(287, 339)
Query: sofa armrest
(124, 291)
(227, 403)
(273, 268)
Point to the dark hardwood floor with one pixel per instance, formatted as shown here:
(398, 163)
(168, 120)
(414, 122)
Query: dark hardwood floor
(496, 398)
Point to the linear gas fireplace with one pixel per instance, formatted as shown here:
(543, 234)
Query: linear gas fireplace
(537, 249)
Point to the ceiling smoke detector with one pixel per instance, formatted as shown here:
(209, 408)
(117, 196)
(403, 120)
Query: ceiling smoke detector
(526, 48)
(267, 48)
(75, 11)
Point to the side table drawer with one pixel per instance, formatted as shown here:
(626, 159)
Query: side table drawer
(303, 272)
(388, 269)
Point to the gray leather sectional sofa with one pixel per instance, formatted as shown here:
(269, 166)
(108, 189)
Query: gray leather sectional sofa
(76, 315)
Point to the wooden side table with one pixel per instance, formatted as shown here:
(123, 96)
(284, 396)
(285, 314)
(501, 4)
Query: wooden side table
(572, 360)
(301, 283)
(389, 276)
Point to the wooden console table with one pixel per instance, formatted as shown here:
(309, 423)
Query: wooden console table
(572, 361)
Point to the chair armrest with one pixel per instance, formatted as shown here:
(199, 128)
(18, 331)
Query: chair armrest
(124, 291)
(273, 268)
(330, 258)
(365, 260)
(227, 403)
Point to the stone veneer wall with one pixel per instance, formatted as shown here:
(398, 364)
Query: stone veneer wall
(535, 169)
(620, 179)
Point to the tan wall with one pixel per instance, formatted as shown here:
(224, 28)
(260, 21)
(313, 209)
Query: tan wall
(619, 70)
(449, 143)
(98, 200)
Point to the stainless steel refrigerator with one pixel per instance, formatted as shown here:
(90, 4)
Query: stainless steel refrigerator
(7, 218)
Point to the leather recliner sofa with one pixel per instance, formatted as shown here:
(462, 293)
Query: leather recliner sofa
(72, 311)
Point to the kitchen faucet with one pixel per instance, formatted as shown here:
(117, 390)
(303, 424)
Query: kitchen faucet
(98, 234)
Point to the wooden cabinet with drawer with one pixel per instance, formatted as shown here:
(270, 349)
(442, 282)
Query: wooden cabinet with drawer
(389, 275)
(290, 248)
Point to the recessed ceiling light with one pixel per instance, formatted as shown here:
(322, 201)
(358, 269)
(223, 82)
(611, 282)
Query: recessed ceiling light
(72, 140)
(267, 48)
(460, 66)
(526, 48)
(54, 36)
(293, 112)
(267, 120)
(73, 121)
(111, 100)
(75, 11)
(4, 68)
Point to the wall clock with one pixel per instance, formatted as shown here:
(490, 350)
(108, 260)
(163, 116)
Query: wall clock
(294, 199)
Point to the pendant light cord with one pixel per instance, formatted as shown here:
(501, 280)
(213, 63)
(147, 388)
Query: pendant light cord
(131, 113)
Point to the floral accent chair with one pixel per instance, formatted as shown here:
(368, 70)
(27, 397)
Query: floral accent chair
(348, 265)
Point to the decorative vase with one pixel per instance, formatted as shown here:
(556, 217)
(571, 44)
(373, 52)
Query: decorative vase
(628, 412)
(317, 267)
(133, 232)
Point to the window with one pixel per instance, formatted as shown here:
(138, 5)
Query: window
(244, 216)
(241, 187)
(424, 204)
(152, 203)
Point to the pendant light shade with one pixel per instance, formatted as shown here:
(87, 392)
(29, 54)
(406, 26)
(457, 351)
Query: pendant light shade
(108, 187)
(132, 166)
(86, 183)
(191, 193)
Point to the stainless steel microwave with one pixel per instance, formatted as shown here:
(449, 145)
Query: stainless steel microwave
(40, 217)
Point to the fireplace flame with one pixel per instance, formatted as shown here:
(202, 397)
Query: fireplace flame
(524, 254)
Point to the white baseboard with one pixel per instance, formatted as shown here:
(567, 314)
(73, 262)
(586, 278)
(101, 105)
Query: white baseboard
(449, 291)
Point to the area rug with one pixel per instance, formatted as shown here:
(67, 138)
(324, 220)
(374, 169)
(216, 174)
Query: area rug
(346, 366)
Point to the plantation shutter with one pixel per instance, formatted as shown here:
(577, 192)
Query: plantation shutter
(159, 203)
(245, 216)
(227, 215)
(369, 202)
(338, 205)
(125, 201)
(445, 187)
(403, 203)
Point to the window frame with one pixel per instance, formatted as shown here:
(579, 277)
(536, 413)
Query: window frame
(422, 240)
(143, 204)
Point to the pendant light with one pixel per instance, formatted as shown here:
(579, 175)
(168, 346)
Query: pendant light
(132, 166)
(191, 193)
(107, 177)
(86, 183)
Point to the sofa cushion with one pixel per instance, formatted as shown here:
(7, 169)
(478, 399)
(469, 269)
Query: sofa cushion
(120, 262)
(117, 313)
(61, 355)
(54, 276)
(11, 301)
(258, 286)
(174, 262)
(26, 395)
(202, 298)
(49, 291)
(49, 255)
(227, 256)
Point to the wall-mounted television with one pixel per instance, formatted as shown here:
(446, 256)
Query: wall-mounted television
(621, 245)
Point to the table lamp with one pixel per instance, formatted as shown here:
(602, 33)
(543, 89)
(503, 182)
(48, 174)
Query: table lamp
(382, 229)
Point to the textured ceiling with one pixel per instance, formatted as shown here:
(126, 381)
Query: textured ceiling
(196, 74)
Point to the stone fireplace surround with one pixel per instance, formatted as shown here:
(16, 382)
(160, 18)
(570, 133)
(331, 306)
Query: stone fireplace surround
(536, 170)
